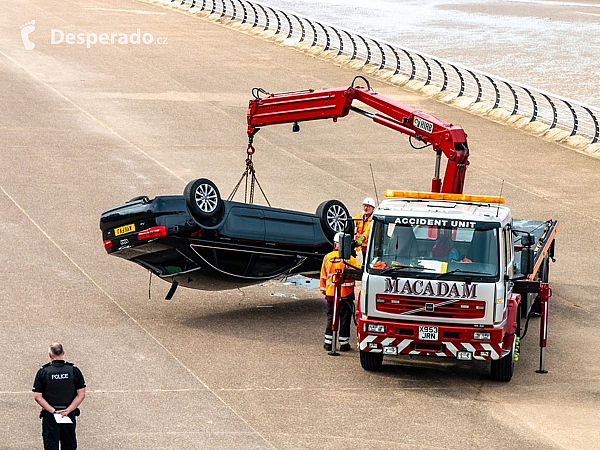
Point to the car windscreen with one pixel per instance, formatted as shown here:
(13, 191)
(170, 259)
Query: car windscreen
(434, 248)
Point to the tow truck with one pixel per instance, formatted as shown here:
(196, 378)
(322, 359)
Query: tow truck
(452, 275)
(445, 274)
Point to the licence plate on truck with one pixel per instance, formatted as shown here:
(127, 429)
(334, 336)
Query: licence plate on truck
(125, 229)
(428, 333)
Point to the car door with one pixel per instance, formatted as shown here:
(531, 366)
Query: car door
(245, 223)
(243, 229)
(288, 227)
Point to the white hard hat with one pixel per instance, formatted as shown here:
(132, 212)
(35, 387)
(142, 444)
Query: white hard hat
(337, 236)
(369, 201)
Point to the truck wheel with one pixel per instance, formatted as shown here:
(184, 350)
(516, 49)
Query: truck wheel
(334, 218)
(503, 368)
(371, 361)
(204, 201)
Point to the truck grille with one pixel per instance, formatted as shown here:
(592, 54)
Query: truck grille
(428, 307)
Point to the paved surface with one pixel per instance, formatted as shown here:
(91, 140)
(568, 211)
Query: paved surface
(85, 129)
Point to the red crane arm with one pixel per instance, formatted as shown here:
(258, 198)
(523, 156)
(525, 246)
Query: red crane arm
(294, 107)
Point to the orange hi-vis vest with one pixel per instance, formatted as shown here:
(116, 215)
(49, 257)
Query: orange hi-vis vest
(331, 262)
(362, 228)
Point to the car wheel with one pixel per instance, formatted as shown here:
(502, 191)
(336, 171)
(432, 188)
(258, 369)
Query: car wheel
(334, 218)
(203, 200)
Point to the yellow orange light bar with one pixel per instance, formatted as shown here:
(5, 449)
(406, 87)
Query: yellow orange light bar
(444, 196)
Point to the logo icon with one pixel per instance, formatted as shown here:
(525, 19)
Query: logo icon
(26, 30)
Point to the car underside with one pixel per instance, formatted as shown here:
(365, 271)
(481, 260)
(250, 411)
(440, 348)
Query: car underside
(203, 242)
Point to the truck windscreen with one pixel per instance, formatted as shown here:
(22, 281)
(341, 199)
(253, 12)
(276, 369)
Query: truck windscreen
(429, 248)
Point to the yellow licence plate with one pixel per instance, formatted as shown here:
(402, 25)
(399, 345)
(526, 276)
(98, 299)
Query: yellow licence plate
(125, 229)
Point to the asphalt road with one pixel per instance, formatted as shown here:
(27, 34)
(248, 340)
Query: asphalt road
(83, 129)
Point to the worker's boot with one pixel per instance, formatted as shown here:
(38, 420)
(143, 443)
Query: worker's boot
(345, 348)
(327, 347)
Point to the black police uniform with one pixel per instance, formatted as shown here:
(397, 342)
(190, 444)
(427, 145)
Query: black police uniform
(58, 382)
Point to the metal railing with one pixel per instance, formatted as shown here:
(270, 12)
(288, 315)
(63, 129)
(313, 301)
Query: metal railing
(525, 102)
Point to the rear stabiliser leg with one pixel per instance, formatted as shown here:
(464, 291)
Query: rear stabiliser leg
(544, 295)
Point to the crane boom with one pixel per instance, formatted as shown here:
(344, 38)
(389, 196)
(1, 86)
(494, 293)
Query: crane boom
(444, 137)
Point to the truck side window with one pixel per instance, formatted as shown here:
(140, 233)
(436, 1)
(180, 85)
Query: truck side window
(506, 245)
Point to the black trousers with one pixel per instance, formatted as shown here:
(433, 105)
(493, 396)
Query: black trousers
(53, 433)
(346, 307)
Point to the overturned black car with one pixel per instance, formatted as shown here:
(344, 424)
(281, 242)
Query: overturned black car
(201, 241)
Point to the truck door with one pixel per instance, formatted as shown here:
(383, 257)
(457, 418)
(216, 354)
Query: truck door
(506, 272)
(508, 263)
(508, 250)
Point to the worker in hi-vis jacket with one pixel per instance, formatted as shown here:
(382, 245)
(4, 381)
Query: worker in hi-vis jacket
(331, 262)
(362, 225)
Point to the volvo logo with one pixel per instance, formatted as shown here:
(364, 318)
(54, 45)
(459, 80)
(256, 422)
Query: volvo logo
(124, 241)
(429, 307)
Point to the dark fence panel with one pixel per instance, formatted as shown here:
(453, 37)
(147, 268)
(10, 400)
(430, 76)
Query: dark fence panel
(551, 110)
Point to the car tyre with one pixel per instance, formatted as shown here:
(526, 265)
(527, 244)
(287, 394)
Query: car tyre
(334, 218)
(204, 201)
(371, 361)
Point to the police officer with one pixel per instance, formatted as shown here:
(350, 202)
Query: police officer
(331, 262)
(59, 388)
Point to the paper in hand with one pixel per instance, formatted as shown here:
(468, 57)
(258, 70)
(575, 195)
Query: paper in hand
(62, 419)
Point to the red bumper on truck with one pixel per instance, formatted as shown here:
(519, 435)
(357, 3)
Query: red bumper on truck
(424, 339)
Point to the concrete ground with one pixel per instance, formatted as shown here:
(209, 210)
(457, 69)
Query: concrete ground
(84, 129)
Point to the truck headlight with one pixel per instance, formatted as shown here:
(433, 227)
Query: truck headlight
(376, 328)
(481, 336)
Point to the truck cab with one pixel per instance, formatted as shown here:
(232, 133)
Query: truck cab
(438, 279)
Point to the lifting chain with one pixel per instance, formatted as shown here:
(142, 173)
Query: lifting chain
(249, 176)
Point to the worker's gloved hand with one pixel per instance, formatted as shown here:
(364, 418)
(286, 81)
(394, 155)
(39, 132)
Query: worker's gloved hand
(360, 240)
